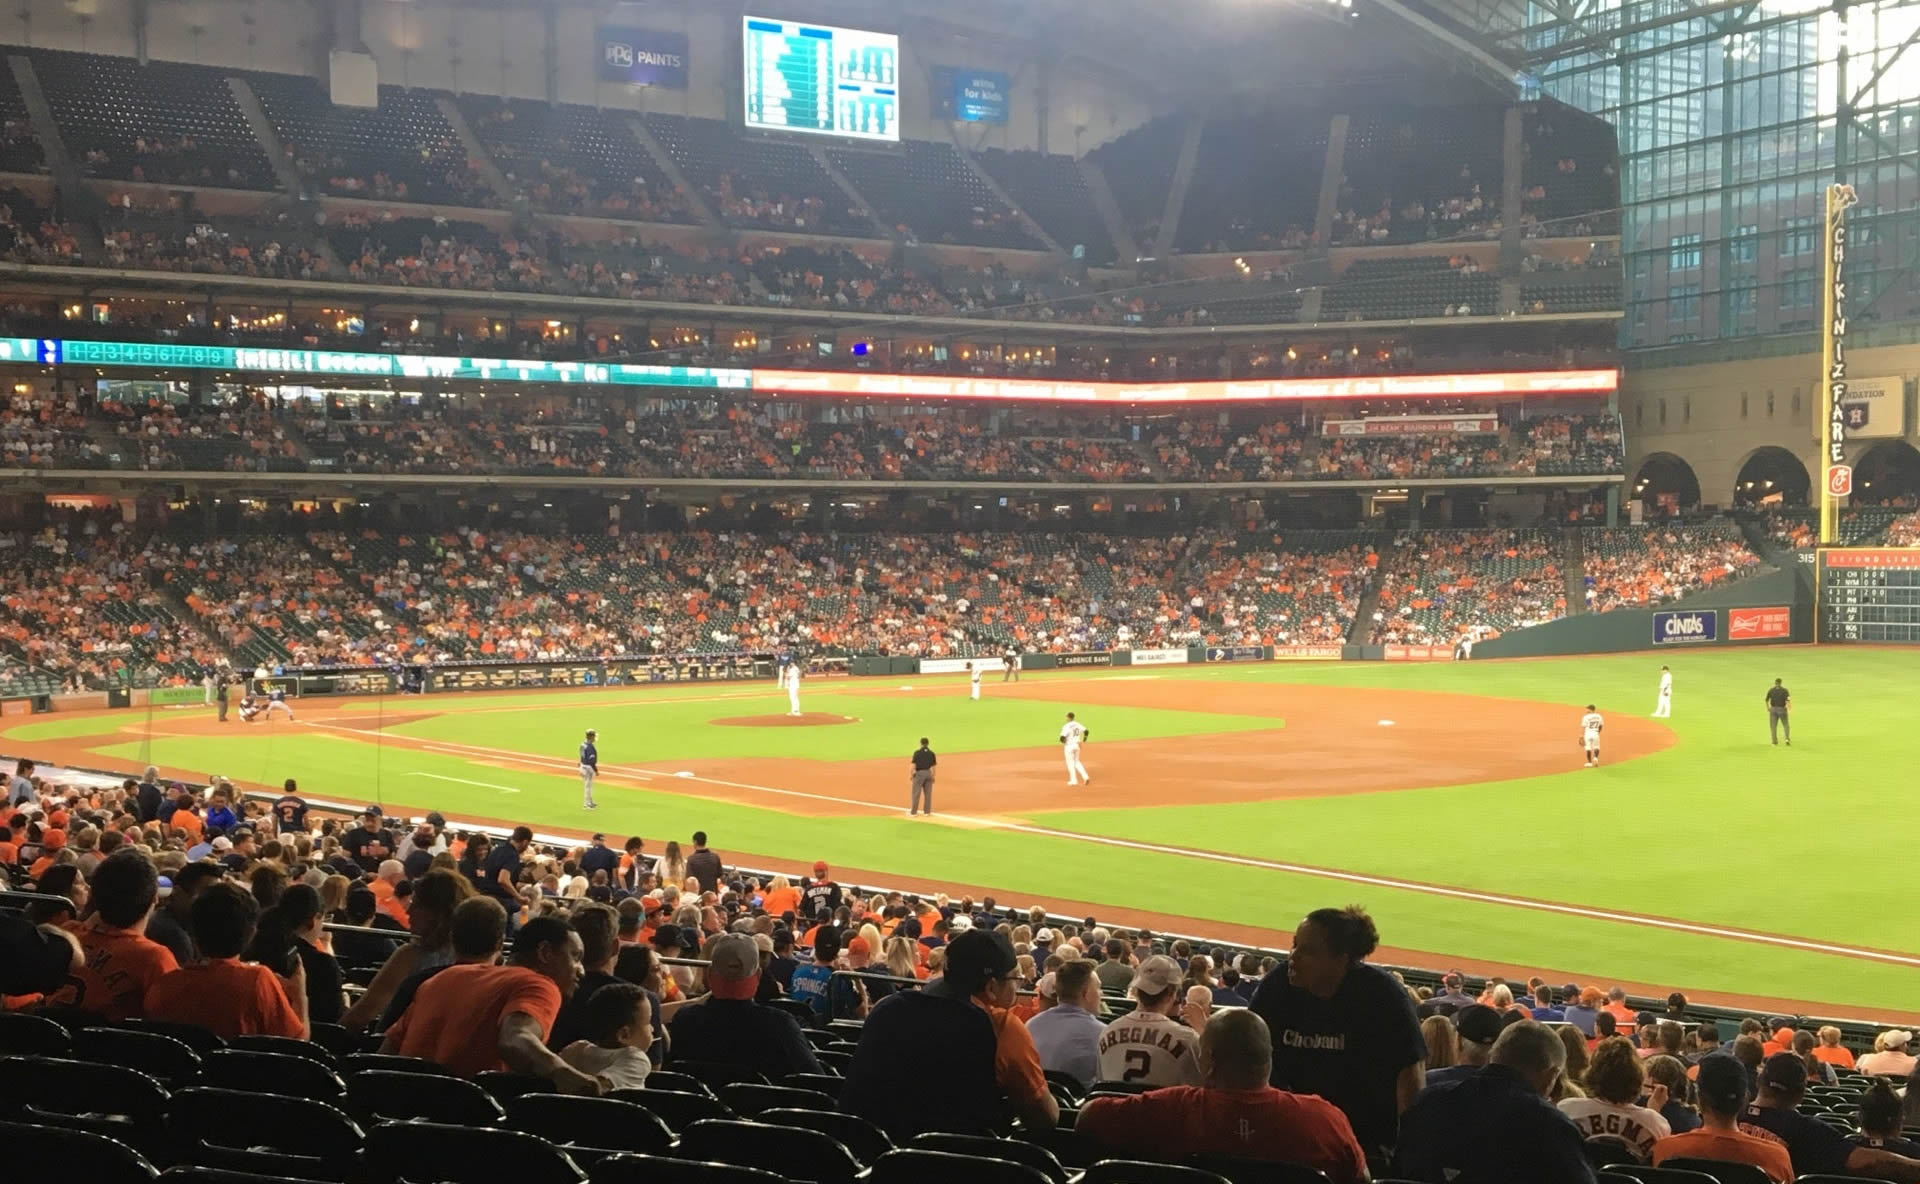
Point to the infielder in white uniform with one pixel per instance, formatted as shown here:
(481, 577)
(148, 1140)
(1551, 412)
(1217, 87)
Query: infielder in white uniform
(791, 678)
(589, 767)
(1590, 725)
(1148, 1045)
(1663, 706)
(1072, 735)
(973, 675)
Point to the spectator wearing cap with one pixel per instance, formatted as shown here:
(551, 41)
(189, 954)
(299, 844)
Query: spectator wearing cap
(950, 1057)
(598, 857)
(1453, 990)
(121, 961)
(1149, 1045)
(809, 983)
(369, 843)
(1067, 1035)
(1889, 1057)
(821, 892)
(1814, 1147)
(1344, 1029)
(1722, 1087)
(1043, 944)
(223, 994)
(1496, 1124)
(704, 864)
(476, 1018)
(727, 1027)
(1478, 1026)
(855, 994)
(1582, 1007)
(1233, 1111)
(783, 963)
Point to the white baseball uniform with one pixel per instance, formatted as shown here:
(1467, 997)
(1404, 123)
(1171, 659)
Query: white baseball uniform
(1590, 725)
(791, 676)
(1663, 708)
(1150, 1049)
(975, 673)
(1072, 734)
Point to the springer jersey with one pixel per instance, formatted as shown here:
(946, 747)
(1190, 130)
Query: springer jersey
(1149, 1048)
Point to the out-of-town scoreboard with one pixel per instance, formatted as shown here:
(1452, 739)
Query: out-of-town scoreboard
(1870, 594)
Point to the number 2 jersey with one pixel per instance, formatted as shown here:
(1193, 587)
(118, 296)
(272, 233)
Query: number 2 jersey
(1150, 1049)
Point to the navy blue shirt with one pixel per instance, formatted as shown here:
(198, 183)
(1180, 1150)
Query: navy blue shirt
(589, 755)
(1489, 1127)
(1814, 1147)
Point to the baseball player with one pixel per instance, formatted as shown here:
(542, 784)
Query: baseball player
(250, 709)
(277, 698)
(1073, 734)
(973, 676)
(1590, 725)
(589, 767)
(1010, 663)
(790, 678)
(1663, 706)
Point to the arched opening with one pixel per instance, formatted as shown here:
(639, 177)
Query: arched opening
(1773, 478)
(1888, 472)
(1666, 484)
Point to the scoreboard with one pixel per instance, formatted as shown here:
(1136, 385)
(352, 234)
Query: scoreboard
(821, 80)
(1870, 594)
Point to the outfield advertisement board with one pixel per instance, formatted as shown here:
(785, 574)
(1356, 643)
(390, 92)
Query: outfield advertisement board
(1418, 653)
(1690, 627)
(500, 676)
(1768, 623)
(957, 665)
(1160, 657)
(176, 696)
(1102, 658)
(1308, 653)
(1246, 653)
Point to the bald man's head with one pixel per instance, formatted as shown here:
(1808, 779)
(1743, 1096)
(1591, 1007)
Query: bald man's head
(1236, 1050)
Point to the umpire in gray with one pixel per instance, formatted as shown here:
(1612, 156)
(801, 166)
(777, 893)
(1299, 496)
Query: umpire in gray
(1777, 702)
(923, 763)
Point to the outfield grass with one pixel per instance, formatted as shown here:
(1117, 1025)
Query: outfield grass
(1719, 829)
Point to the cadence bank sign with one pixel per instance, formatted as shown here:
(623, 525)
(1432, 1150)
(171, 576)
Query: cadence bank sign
(1759, 624)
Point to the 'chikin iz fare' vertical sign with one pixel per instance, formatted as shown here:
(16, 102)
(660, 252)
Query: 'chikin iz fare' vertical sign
(1838, 481)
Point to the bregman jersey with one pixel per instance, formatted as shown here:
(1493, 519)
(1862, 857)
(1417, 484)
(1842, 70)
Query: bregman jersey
(1073, 733)
(1149, 1048)
(1590, 725)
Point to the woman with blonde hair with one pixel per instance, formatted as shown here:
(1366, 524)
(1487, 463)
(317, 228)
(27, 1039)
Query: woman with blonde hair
(1500, 998)
(1573, 1079)
(333, 897)
(1615, 1078)
(1443, 1042)
(871, 932)
(902, 962)
(672, 865)
(1829, 1050)
(781, 898)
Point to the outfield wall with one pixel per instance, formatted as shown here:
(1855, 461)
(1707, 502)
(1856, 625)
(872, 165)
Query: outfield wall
(1734, 615)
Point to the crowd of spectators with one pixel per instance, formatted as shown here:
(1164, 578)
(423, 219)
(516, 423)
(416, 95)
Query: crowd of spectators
(29, 233)
(606, 968)
(1440, 586)
(47, 431)
(1632, 567)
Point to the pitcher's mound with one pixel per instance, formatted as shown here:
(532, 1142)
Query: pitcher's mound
(807, 719)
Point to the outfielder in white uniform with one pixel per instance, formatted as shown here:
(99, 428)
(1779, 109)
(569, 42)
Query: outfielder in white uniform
(1663, 706)
(1590, 725)
(791, 677)
(973, 675)
(589, 768)
(1072, 734)
(1147, 1045)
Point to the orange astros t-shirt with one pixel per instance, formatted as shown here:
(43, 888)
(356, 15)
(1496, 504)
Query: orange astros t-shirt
(455, 1019)
(120, 965)
(227, 997)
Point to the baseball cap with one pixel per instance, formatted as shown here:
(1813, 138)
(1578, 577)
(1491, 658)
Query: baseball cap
(53, 839)
(1723, 1083)
(1478, 1023)
(1043, 938)
(733, 967)
(960, 923)
(1898, 1038)
(978, 955)
(1156, 975)
(859, 945)
(223, 843)
(598, 837)
(820, 869)
(1784, 1071)
(376, 811)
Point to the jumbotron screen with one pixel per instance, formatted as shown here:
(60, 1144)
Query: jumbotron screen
(821, 80)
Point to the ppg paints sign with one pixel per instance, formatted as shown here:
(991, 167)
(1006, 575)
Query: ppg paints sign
(1685, 628)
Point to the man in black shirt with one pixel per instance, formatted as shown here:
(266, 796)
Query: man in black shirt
(781, 969)
(168, 924)
(727, 1027)
(820, 892)
(369, 843)
(1815, 1147)
(290, 811)
(149, 797)
(704, 865)
(597, 858)
(923, 763)
(1344, 1029)
(1496, 1126)
(503, 868)
(1777, 701)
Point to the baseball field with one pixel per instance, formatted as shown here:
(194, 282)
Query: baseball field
(1450, 799)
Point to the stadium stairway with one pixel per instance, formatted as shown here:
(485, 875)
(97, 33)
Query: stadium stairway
(1360, 630)
(1574, 564)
